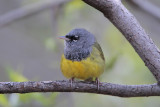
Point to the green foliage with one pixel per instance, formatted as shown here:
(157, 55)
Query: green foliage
(18, 100)
(42, 99)
(50, 44)
(73, 6)
(111, 62)
(4, 101)
(15, 75)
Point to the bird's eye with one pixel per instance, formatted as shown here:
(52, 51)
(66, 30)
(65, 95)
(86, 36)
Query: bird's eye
(75, 37)
(72, 37)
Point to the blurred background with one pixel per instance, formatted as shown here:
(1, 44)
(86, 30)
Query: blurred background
(30, 50)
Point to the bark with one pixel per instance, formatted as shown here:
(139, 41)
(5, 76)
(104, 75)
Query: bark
(80, 86)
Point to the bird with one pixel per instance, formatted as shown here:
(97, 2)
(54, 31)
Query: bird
(83, 57)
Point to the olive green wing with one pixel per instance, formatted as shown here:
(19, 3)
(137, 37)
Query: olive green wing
(96, 45)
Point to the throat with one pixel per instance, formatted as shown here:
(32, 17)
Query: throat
(76, 56)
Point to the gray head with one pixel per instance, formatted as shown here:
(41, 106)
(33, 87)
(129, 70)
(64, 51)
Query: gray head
(78, 44)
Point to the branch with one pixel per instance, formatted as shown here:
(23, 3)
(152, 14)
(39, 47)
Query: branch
(148, 7)
(28, 10)
(133, 32)
(80, 86)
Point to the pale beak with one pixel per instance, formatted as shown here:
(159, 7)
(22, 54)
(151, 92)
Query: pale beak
(64, 38)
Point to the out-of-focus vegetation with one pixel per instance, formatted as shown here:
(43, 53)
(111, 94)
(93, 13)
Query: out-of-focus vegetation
(30, 99)
(31, 45)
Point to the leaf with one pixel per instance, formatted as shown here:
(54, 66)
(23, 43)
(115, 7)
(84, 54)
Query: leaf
(15, 75)
(43, 99)
(110, 63)
(4, 101)
(50, 44)
(73, 6)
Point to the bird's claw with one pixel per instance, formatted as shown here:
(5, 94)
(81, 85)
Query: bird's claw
(97, 82)
(71, 82)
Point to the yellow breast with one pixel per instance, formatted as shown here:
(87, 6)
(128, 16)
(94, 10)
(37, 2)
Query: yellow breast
(93, 66)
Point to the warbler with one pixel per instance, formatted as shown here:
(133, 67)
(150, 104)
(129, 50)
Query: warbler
(83, 57)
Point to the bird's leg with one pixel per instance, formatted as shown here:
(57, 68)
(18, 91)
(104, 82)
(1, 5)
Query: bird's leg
(97, 82)
(71, 81)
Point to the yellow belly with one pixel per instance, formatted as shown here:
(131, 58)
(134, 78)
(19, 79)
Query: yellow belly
(91, 67)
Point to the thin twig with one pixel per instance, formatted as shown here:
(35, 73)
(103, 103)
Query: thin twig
(80, 86)
(147, 6)
(28, 11)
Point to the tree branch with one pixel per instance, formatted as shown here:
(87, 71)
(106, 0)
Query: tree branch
(80, 86)
(28, 10)
(133, 32)
(147, 6)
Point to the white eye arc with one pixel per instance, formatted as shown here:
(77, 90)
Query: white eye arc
(74, 40)
(76, 36)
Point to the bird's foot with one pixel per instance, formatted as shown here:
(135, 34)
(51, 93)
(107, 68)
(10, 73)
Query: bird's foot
(71, 81)
(97, 82)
